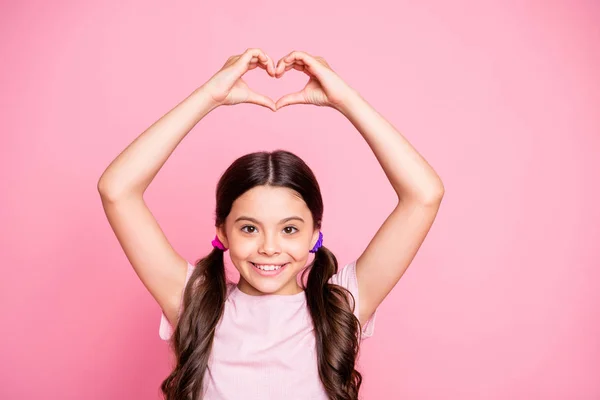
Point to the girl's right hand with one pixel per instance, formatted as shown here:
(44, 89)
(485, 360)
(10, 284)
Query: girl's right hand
(226, 87)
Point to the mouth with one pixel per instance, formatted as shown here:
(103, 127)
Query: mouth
(269, 270)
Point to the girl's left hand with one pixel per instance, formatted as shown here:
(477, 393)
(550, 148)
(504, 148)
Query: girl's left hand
(324, 88)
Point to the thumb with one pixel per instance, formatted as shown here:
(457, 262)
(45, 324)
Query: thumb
(260, 100)
(289, 99)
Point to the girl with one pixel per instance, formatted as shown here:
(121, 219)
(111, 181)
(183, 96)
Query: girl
(274, 334)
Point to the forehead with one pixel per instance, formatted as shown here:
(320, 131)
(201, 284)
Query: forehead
(269, 204)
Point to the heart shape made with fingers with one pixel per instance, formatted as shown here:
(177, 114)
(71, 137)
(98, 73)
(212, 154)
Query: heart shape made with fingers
(312, 93)
(276, 88)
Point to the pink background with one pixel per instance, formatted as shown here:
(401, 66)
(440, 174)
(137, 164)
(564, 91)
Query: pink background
(502, 301)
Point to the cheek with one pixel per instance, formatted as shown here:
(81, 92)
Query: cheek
(243, 249)
(297, 249)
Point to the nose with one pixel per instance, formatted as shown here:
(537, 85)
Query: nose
(269, 245)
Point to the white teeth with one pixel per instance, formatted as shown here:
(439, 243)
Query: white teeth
(268, 267)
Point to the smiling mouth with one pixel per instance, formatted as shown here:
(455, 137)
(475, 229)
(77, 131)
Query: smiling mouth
(269, 267)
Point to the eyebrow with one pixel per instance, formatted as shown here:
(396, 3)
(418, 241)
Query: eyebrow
(258, 222)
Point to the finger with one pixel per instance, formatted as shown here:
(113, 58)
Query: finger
(289, 99)
(285, 64)
(283, 67)
(268, 66)
(261, 100)
(300, 58)
(299, 67)
(254, 55)
(280, 67)
(243, 63)
(254, 64)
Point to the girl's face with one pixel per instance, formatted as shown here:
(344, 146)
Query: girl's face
(269, 226)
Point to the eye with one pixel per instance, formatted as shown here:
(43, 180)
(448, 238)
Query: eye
(286, 229)
(290, 227)
(247, 226)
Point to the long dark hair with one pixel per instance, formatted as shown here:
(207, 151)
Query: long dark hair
(337, 330)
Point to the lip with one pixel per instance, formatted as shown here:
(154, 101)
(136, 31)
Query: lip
(269, 273)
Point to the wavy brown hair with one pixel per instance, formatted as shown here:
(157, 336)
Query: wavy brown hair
(337, 330)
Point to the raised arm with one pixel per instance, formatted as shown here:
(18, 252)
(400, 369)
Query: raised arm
(122, 185)
(420, 191)
(419, 188)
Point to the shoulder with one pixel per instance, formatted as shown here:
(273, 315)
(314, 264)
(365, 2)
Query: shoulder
(346, 276)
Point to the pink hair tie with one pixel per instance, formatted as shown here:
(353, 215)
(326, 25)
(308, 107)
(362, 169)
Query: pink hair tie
(217, 244)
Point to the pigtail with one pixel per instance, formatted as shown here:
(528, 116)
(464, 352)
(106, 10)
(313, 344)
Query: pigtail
(337, 330)
(203, 306)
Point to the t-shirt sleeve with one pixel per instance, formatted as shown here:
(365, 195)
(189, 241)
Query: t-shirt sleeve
(346, 277)
(165, 330)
